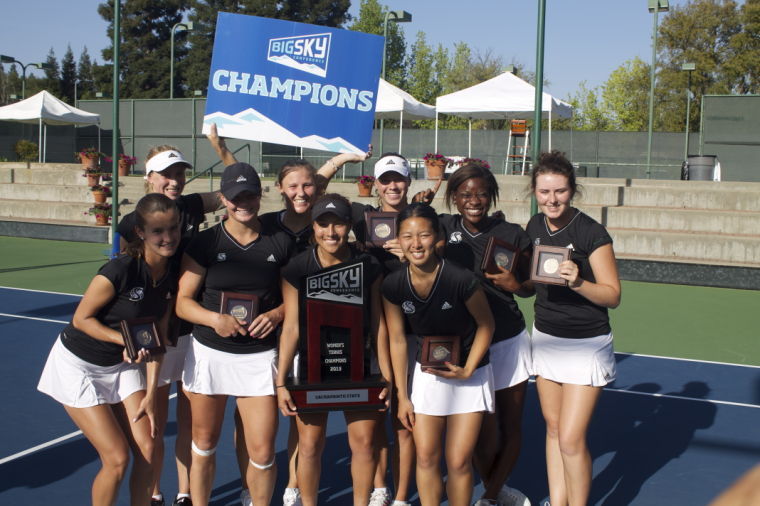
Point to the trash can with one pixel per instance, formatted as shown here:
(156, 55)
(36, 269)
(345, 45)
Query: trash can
(701, 168)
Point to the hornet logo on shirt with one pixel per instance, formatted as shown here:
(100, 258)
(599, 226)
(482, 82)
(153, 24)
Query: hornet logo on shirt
(537, 241)
(455, 238)
(221, 257)
(408, 307)
(136, 293)
(446, 306)
(570, 246)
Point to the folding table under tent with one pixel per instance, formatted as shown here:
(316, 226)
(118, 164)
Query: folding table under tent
(505, 96)
(395, 103)
(44, 109)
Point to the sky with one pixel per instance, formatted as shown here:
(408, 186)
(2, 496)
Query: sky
(581, 44)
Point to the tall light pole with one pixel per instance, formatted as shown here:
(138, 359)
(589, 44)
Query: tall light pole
(398, 17)
(178, 27)
(655, 7)
(11, 59)
(687, 67)
(539, 92)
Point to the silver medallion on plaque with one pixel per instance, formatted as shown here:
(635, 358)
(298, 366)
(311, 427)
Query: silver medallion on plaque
(144, 337)
(239, 311)
(382, 230)
(441, 353)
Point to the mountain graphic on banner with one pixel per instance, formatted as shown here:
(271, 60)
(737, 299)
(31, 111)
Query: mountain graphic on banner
(252, 125)
(305, 67)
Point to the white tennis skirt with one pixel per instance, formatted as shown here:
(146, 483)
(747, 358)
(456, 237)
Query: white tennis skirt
(174, 361)
(79, 384)
(213, 372)
(587, 361)
(432, 395)
(511, 361)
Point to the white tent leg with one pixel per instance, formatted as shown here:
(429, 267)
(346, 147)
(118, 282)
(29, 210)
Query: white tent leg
(436, 133)
(40, 146)
(469, 139)
(44, 152)
(400, 130)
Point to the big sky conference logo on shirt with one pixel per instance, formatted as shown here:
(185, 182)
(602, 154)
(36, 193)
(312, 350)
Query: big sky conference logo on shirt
(342, 284)
(294, 84)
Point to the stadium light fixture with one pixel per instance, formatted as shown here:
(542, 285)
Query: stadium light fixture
(11, 59)
(655, 7)
(398, 17)
(178, 27)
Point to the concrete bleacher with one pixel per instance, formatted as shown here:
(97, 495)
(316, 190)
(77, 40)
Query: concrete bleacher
(688, 222)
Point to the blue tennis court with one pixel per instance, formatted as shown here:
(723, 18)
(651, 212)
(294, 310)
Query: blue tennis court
(668, 431)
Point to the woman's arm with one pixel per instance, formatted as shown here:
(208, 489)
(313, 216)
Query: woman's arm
(190, 282)
(605, 291)
(211, 202)
(394, 319)
(98, 294)
(288, 347)
(378, 329)
(265, 323)
(477, 305)
(327, 171)
(224, 154)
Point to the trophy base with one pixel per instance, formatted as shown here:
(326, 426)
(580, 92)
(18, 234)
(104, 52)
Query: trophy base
(338, 395)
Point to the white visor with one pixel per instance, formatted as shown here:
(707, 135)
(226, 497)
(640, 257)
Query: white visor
(391, 163)
(164, 160)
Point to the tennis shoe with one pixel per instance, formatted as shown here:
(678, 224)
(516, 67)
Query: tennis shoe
(512, 497)
(291, 497)
(484, 502)
(380, 498)
(157, 502)
(182, 501)
(245, 497)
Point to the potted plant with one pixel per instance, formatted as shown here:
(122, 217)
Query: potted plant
(102, 213)
(364, 183)
(27, 151)
(435, 165)
(88, 157)
(100, 193)
(476, 161)
(125, 163)
(92, 174)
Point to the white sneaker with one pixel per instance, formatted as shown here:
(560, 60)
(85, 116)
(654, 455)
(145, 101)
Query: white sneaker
(245, 498)
(401, 503)
(291, 497)
(380, 497)
(484, 502)
(512, 497)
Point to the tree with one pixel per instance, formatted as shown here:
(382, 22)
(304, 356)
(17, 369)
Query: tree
(204, 13)
(371, 20)
(13, 82)
(145, 46)
(589, 112)
(626, 96)
(68, 76)
(85, 76)
(742, 66)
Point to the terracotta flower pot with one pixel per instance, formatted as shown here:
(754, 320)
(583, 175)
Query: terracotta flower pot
(435, 168)
(364, 190)
(100, 197)
(88, 162)
(123, 168)
(93, 179)
(101, 219)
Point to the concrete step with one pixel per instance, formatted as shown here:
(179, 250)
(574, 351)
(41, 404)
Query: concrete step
(728, 200)
(655, 219)
(57, 230)
(686, 247)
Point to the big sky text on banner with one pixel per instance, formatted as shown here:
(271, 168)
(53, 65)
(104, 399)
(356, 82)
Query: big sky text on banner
(293, 83)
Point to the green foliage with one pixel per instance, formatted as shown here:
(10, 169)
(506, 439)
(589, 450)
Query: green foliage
(26, 151)
(626, 95)
(68, 76)
(741, 67)
(371, 20)
(589, 113)
(145, 47)
(52, 81)
(85, 76)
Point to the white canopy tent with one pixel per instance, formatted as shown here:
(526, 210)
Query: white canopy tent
(395, 103)
(505, 96)
(44, 109)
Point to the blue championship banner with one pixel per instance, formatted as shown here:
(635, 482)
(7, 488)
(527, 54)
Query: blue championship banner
(293, 83)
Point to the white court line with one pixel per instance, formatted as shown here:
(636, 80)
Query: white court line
(40, 291)
(33, 318)
(682, 398)
(688, 360)
(48, 444)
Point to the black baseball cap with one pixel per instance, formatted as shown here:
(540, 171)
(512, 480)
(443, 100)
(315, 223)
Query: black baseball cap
(330, 205)
(238, 178)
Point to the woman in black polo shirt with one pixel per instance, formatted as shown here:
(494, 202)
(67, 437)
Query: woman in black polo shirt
(332, 223)
(434, 297)
(87, 371)
(230, 356)
(571, 338)
(473, 191)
